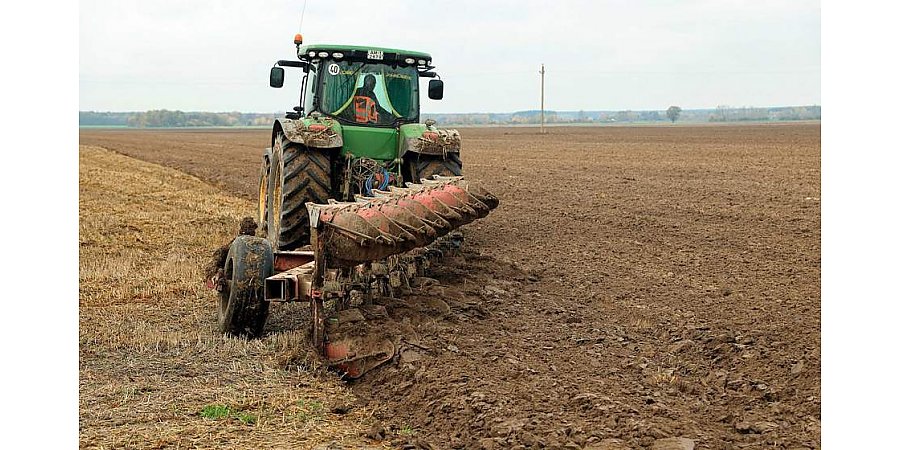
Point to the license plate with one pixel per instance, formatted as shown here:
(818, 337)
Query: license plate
(376, 54)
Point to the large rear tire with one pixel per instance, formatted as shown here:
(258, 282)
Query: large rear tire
(297, 175)
(243, 308)
(424, 166)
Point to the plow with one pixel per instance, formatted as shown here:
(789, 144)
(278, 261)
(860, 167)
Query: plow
(356, 199)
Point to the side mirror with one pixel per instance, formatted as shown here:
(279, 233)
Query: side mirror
(435, 89)
(276, 77)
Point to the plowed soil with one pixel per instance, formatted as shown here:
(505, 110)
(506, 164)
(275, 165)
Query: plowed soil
(635, 284)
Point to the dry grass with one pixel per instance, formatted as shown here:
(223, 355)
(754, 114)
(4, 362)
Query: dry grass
(151, 359)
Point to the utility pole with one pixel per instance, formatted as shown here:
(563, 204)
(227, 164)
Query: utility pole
(542, 99)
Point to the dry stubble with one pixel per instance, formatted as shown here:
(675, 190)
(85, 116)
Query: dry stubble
(150, 358)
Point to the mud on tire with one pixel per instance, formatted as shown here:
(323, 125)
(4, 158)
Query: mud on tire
(243, 308)
(424, 166)
(263, 202)
(297, 175)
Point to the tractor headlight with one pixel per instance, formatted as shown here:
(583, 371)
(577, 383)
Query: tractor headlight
(422, 62)
(409, 61)
(323, 54)
(337, 55)
(312, 54)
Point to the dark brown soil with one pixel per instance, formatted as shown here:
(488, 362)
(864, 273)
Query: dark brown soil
(636, 283)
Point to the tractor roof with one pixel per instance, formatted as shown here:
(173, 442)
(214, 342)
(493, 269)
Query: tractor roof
(351, 49)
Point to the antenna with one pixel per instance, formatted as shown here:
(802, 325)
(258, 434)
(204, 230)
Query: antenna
(302, 13)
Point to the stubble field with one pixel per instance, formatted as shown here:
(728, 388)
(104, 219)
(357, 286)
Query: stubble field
(636, 284)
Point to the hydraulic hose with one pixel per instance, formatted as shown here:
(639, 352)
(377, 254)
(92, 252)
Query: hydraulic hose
(385, 182)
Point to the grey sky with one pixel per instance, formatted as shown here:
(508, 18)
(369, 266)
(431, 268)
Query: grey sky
(610, 55)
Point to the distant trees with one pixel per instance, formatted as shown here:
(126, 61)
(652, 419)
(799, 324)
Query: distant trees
(162, 118)
(813, 112)
(649, 116)
(627, 116)
(725, 113)
(94, 118)
(722, 113)
(673, 112)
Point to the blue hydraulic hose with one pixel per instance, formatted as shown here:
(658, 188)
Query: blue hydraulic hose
(387, 180)
(384, 183)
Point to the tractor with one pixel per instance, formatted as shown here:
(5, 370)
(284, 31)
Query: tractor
(356, 129)
(356, 198)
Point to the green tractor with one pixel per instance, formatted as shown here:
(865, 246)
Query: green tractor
(355, 130)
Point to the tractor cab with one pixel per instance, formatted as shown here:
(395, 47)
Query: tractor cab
(361, 86)
(367, 94)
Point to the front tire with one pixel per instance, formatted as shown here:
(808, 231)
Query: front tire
(243, 308)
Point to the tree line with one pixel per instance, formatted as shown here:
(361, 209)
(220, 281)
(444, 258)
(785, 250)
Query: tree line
(673, 113)
(162, 118)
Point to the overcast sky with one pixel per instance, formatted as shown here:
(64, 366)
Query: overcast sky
(600, 55)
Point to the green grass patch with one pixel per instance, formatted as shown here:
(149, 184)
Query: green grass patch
(310, 410)
(247, 418)
(215, 412)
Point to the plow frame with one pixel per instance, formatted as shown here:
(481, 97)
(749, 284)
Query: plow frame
(366, 249)
(299, 278)
(302, 276)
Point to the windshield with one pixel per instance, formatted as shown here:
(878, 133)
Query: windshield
(372, 94)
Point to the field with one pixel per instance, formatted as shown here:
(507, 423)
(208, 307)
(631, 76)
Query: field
(635, 284)
(153, 370)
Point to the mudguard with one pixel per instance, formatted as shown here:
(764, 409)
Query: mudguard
(428, 140)
(320, 132)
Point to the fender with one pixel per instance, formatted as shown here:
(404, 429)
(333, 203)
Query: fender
(428, 140)
(315, 132)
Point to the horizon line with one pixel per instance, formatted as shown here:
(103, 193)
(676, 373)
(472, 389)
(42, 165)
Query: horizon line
(473, 112)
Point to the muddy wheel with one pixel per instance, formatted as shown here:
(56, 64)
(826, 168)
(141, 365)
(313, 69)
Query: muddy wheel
(424, 166)
(243, 308)
(297, 175)
(262, 208)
